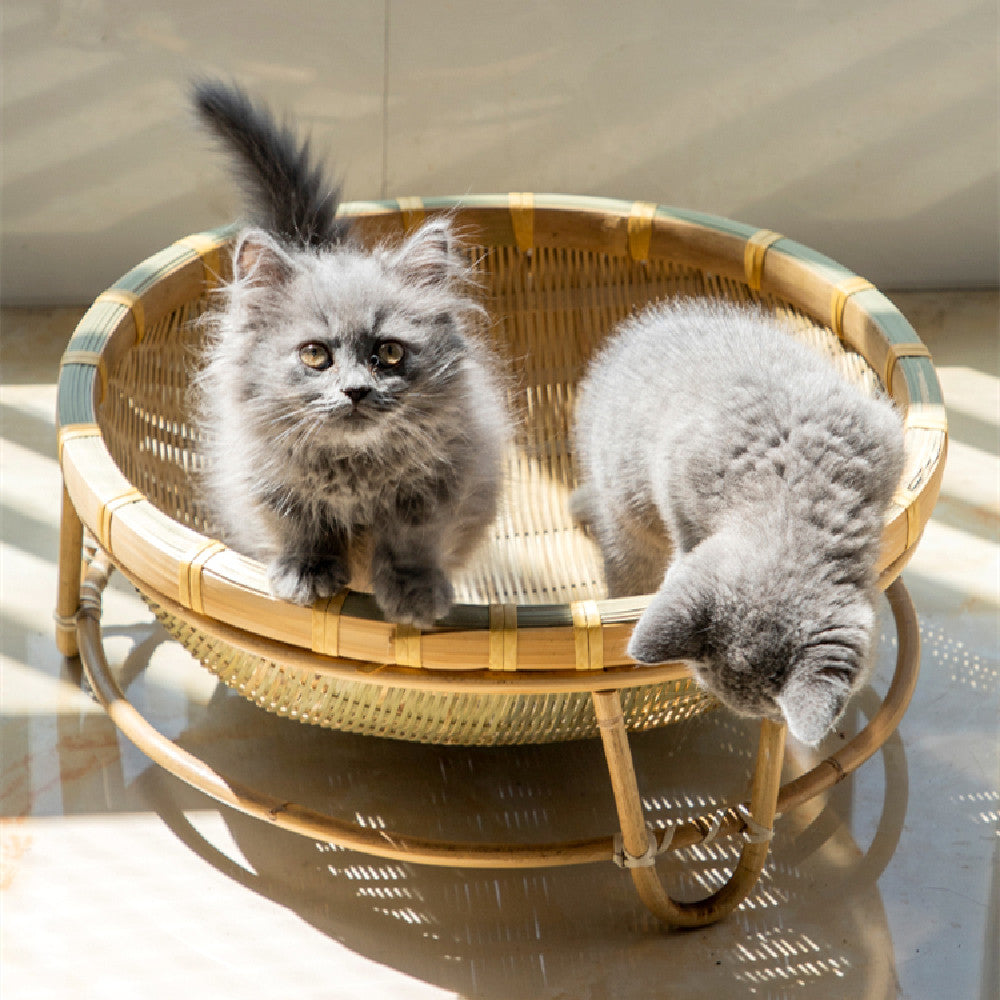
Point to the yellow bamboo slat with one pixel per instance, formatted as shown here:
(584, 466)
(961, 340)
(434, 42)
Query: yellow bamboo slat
(588, 635)
(839, 295)
(407, 646)
(132, 302)
(640, 229)
(107, 510)
(209, 248)
(326, 624)
(913, 349)
(189, 575)
(909, 500)
(503, 637)
(73, 432)
(753, 256)
(522, 218)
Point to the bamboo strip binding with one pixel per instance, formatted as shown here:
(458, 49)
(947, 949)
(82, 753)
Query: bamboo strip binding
(326, 624)
(640, 230)
(107, 511)
(189, 576)
(522, 218)
(209, 248)
(589, 635)
(413, 213)
(838, 300)
(753, 256)
(899, 351)
(503, 637)
(133, 303)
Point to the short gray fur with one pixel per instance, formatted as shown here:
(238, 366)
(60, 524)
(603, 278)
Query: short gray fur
(732, 472)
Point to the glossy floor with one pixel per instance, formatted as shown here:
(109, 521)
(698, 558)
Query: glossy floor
(118, 881)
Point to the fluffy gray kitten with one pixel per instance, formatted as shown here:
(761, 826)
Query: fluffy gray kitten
(343, 395)
(708, 436)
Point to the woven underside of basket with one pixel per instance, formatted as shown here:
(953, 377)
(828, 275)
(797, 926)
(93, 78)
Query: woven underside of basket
(437, 717)
(549, 311)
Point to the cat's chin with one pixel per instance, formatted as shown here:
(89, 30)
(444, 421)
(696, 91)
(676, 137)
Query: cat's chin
(357, 425)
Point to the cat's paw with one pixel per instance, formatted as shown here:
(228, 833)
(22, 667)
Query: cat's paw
(413, 595)
(303, 582)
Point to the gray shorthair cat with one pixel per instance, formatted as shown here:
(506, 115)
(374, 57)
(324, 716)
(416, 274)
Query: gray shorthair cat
(707, 433)
(343, 393)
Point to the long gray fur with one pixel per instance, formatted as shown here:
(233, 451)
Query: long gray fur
(301, 463)
(729, 470)
(287, 195)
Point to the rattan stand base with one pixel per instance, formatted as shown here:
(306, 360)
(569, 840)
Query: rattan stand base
(635, 848)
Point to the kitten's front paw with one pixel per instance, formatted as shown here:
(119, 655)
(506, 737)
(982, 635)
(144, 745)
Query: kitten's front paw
(413, 595)
(303, 582)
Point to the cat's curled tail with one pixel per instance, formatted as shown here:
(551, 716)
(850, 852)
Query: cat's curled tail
(288, 196)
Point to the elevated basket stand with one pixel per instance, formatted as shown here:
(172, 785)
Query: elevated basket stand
(531, 652)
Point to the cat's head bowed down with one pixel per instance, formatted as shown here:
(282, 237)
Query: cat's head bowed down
(765, 641)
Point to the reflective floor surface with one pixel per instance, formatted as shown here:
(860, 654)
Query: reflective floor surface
(119, 881)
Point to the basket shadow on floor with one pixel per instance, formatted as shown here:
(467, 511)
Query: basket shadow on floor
(815, 921)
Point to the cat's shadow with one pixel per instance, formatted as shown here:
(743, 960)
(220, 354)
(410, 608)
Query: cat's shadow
(816, 915)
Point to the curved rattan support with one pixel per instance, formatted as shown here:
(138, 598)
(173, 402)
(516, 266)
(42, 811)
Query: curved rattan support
(640, 844)
(753, 820)
(767, 799)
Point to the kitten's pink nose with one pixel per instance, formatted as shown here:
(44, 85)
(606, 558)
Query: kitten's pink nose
(357, 393)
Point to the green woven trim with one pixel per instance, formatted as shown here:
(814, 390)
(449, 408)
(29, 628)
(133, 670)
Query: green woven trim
(75, 399)
(921, 381)
(558, 202)
(143, 276)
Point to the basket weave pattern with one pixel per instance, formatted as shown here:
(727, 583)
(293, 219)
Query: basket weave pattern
(555, 278)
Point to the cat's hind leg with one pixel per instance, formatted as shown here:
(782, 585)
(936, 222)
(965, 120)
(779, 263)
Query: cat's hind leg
(636, 551)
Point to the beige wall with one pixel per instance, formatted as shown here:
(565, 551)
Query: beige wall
(865, 129)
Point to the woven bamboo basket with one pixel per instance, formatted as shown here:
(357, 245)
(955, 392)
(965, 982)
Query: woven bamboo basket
(532, 651)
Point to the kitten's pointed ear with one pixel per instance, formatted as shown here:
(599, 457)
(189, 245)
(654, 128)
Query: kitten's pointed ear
(812, 701)
(671, 628)
(259, 259)
(431, 255)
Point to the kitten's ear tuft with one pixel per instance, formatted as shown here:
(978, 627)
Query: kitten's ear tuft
(812, 701)
(672, 626)
(259, 260)
(431, 255)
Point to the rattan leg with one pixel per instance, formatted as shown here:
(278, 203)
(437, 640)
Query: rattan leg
(640, 846)
(70, 561)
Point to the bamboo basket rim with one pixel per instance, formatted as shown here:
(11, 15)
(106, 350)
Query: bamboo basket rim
(206, 578)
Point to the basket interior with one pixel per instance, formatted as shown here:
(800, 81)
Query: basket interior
(549, 310)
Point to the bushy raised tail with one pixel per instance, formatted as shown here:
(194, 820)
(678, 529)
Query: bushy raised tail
(288, 196)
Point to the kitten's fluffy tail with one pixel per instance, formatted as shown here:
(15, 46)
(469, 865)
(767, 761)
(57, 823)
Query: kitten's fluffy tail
(288, 196)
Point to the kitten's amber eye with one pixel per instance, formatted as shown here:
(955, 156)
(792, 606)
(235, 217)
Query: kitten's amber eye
(390, 353)
(315, 356)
